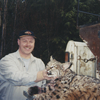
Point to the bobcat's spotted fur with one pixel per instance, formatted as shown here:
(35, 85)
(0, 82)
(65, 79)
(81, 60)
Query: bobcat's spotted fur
(68, 85)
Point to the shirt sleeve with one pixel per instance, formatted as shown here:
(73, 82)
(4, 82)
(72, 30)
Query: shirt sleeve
(10, 72)
(41, 66)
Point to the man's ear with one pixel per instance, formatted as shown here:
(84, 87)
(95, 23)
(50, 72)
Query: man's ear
(18, 41)
(66, 65)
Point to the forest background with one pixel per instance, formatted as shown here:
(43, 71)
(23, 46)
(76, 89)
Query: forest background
(54, 23)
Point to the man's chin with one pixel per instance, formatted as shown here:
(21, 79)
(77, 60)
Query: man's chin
(27, 53)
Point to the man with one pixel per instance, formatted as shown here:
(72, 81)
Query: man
(20, 70)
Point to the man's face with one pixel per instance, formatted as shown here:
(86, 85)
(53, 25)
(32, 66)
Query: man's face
(26, 45)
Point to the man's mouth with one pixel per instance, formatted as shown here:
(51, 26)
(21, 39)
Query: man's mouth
(27, 48)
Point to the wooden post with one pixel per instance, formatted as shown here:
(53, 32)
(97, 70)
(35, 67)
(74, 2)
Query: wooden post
(67, 59)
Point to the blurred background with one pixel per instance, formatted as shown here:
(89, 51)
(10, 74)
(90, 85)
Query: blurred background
(54, 23)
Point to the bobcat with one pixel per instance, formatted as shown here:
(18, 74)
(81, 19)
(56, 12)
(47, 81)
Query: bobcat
(68, 85)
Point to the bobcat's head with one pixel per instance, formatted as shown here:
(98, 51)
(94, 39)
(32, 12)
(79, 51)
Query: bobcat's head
(57, 69)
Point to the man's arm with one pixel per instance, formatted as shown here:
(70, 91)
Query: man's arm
(42, 75)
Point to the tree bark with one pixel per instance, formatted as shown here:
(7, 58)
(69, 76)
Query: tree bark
(14, 29)
(4, 29)
(0, 15)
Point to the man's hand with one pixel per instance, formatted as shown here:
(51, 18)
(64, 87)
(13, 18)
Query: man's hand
(42, 75)
(46, 76)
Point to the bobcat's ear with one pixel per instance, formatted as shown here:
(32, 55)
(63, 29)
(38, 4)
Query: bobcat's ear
(51, 58)
(67, 65)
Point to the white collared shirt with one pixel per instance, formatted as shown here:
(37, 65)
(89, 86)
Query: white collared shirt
(26, 62)
(14, 78)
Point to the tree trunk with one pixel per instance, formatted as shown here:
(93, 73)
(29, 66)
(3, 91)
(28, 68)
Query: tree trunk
(4, 29)
(14, 26)
(0, 16)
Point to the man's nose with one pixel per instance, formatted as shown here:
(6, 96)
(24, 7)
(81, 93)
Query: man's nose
(28, 43)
